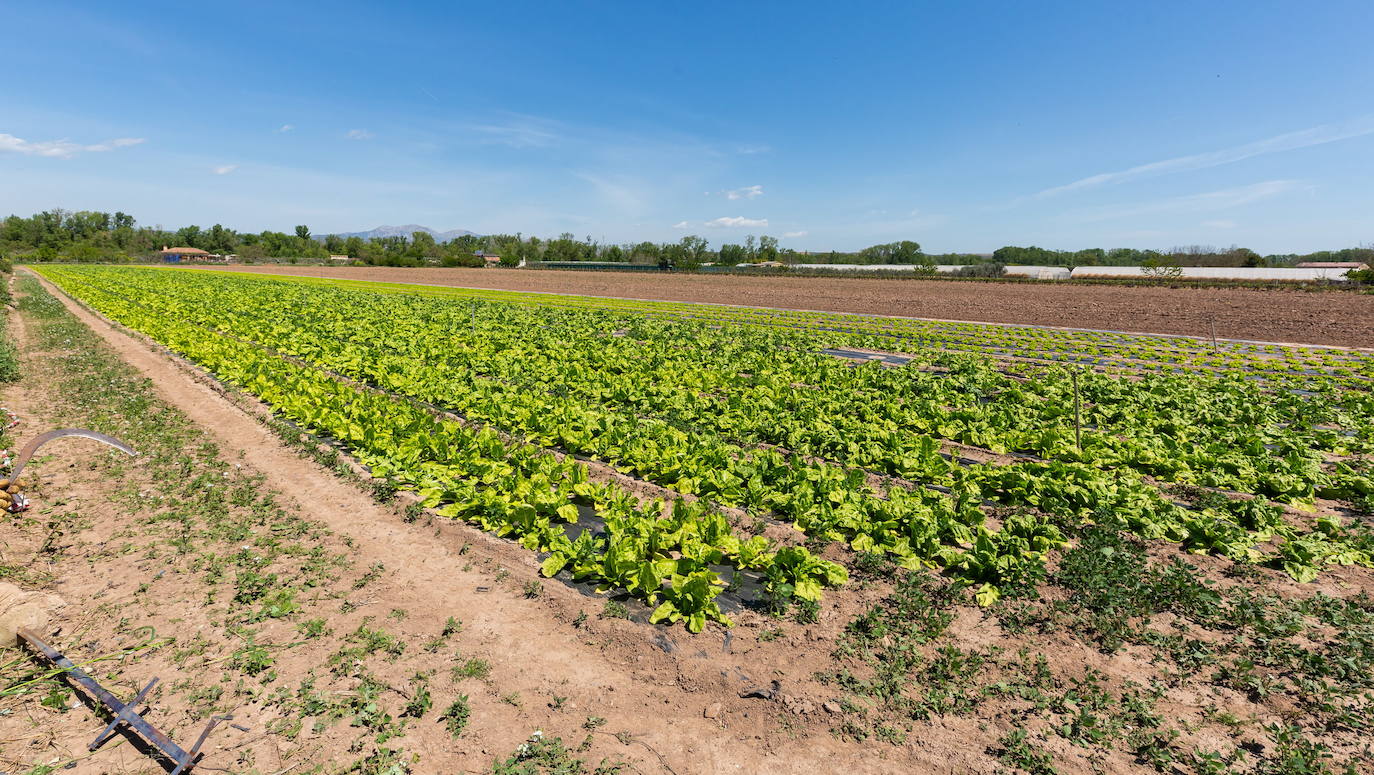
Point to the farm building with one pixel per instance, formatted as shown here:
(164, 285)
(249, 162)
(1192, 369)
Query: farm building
(177, 255)
(1240, 273)
(339, 259)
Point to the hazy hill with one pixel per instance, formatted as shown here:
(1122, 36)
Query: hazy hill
(404, 231)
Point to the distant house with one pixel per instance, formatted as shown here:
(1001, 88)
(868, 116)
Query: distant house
(177, 255)
(340, 259)
(488, 259)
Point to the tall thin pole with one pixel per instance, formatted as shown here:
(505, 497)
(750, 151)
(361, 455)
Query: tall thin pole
(1214, 334)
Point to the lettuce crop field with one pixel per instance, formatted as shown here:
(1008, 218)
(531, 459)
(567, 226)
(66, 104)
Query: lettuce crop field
(714, 462)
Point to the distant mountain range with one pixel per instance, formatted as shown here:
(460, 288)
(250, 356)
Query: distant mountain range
(404, 231)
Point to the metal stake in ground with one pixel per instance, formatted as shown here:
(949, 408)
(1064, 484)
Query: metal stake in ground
(125, 713)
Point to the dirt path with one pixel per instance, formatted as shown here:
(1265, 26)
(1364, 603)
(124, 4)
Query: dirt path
(1334, 318)
(658, 691)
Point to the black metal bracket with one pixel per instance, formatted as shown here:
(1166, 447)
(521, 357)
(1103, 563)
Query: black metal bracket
(126, 714)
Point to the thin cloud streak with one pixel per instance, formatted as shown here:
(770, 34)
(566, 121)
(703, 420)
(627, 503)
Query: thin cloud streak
(1207, 201)
(736, 222)
(620, 192)
(1319, 135)
(748, 192)
(61, 149)
(518, 134)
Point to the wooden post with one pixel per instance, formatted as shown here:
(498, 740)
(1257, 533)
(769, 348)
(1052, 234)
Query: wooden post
(1077, 413)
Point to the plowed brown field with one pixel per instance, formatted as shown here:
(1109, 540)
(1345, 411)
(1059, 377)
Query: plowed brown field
(1333, 318)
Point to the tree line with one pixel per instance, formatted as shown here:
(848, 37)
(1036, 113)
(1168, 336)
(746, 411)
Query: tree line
(93, 236)
(1187, 255)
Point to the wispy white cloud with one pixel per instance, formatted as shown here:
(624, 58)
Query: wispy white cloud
(920, 219)
(748, 150)
(521, 132)
(791, 234)
(359, 134)
(736, 222)
(620, 192)
(748, 192)
(1318, 135)
(680, 225)
(1207, 201)
(61, 149)
(285, 128)
(225, 169)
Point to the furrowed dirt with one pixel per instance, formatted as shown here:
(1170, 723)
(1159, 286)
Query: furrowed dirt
(1333, 318)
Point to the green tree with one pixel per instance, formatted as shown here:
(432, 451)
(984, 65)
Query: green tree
(768, 248)
(731, 255)
(645, 253)
(672, 255)
(220, 240)
(422, 244)
(694, 250)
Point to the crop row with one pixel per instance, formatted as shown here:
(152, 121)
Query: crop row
(1216, 432)
(663, 555)
(579, 366)
(1102, 348)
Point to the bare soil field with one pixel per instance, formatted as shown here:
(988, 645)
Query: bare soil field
(1330, 318)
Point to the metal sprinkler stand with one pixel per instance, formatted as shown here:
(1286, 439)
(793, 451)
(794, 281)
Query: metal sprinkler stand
(125, 713)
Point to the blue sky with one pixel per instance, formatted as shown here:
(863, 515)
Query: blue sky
(963, 126)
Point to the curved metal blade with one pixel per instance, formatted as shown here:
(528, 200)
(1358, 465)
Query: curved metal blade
(27, 452)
